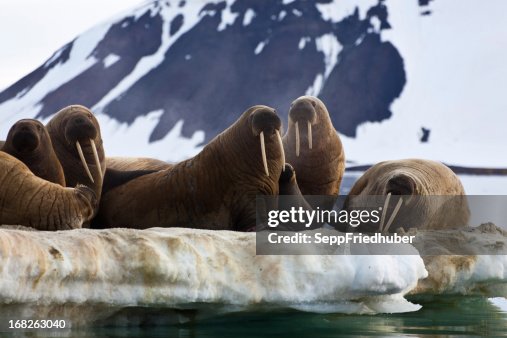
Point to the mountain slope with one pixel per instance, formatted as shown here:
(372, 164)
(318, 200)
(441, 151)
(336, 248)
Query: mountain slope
(182, 71)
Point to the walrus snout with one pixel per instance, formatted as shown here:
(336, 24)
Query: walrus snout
(80, 127)
(266, 123)
(401, 184)
(265, 120)
(80, 131)
(302, 112)
(24, 135)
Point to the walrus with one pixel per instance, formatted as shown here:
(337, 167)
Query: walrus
(136, 163)
(76, 138)
(313, 147)
(216, 189)
(414, 192)
(28, 200)
(29, 142)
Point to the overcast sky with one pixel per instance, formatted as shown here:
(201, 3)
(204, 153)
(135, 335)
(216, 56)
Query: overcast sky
(31, 30)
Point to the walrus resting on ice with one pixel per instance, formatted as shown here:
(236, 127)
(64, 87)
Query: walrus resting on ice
(77, 142)
(415, 192)
(313, 147)
(29, 142)
(28, 200)
(216, 189)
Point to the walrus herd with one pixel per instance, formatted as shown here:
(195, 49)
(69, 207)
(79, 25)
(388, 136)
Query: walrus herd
(57, 176)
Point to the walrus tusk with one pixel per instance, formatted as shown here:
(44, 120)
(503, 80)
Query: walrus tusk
(393, 215)
(263, 151)
(83, 160)
(382, 220)
(310, 141)
(281, 149)
(96, 156)
(297, 139)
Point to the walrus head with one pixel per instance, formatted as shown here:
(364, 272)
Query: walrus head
(305, 115)
(412, 192)
(256, 132)
(76, 137)
(28, 140)
(25, 136)
(266, 126)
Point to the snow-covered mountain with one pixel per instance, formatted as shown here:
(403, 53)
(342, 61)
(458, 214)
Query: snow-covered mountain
(401, 78)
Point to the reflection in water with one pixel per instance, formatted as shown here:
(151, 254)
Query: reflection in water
(439, 317)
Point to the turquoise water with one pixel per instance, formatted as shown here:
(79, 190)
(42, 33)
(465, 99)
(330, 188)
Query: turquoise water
(439, 317)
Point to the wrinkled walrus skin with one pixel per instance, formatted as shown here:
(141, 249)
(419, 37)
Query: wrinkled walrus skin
(432, 193)
(29, 142)
(318, 158)
(28, 200)
(76, 127)
(216, 189)
(136, 163)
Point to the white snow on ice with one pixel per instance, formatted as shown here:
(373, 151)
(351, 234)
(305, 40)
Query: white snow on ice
(303, 41)
(329, 46)
(228, 17)
(248, 17)
(258, 49)
(282, 15)
(336, 10)
(189, 268)
(110, 60)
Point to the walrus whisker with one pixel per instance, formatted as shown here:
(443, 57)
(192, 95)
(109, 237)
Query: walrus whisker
(393, 215)
(297, 139)
(263, 152)
(310, 141)
(384, 211)
(83, 160)
(281, 149)
(96, 157)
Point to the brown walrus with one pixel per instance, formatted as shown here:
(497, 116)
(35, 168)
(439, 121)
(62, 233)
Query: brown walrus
(28, 200)
(136, 163)
(29, 142)
(75, 133)
(313, 147)
(216, 189)
(419, 193)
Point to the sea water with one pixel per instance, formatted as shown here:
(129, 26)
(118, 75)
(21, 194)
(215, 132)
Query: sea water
(443, 316)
